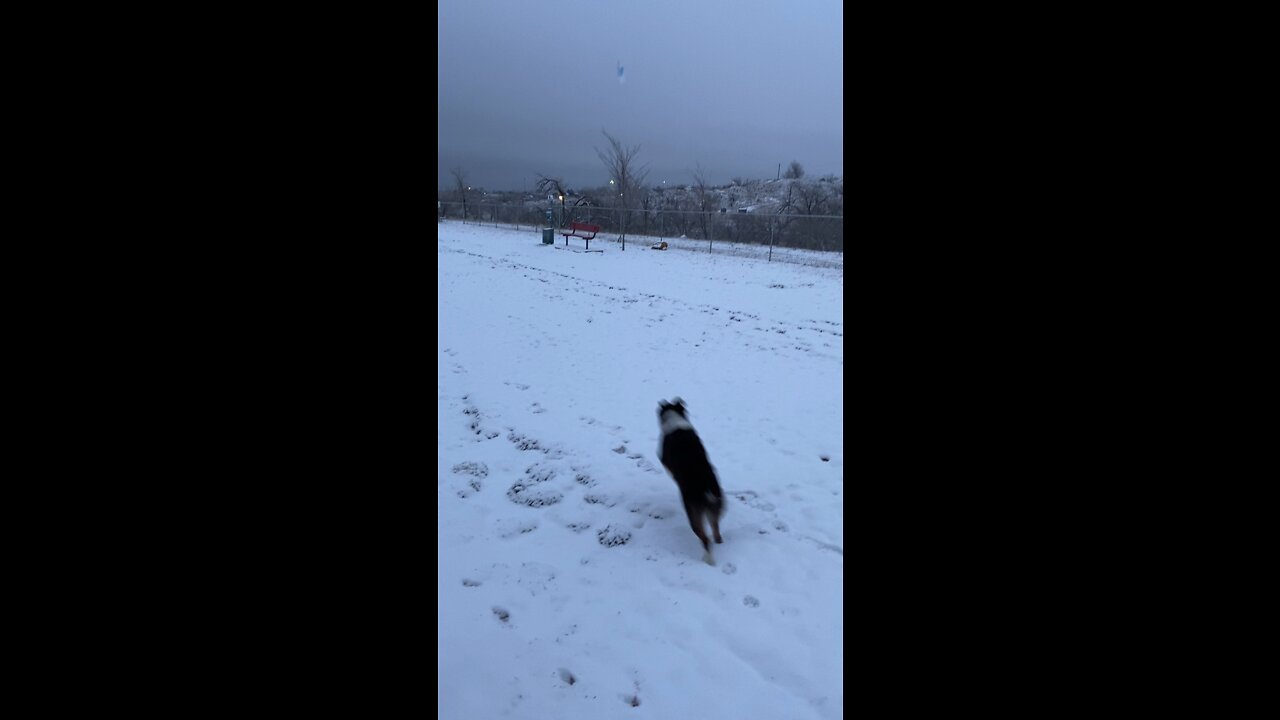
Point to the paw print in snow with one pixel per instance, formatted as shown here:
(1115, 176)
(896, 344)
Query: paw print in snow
(522, 442)
(598, 499)
(527, 492)
(609, 536)
(476, 471)
(472, 468)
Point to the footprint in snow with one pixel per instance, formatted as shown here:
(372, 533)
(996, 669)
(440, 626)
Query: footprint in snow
(511, 527)
(647, 466)
(539, 473)
(599, 499)
(524, 442)
(526, 491)
(610, 536)
(477, 469)
(474, 424)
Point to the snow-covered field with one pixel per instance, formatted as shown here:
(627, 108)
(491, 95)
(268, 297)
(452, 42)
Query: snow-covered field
(762, 253)
(569, 582)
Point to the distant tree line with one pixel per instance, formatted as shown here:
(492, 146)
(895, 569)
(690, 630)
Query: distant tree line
(701, 209)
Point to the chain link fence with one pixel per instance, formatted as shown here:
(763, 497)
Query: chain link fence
(681, 229)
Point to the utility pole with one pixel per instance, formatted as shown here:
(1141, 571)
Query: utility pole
(779, 175)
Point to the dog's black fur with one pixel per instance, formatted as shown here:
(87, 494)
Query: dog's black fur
(683, 455)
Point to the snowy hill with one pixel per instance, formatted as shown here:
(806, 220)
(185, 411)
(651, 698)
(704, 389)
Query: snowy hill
(570, 584)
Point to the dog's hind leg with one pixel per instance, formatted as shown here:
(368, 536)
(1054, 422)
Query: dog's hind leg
(715, 503)
(695, 522)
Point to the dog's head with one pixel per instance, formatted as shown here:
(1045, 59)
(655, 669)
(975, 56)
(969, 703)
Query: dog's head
(676, 406)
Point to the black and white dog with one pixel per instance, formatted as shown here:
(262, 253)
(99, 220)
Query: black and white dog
(682, 454)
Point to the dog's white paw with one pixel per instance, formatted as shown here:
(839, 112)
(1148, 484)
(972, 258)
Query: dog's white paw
(706, 558)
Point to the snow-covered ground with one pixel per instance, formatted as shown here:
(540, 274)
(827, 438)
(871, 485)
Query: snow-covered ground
(569, 582)
(748, 250)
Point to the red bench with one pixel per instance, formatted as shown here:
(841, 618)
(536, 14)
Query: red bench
(576, 229)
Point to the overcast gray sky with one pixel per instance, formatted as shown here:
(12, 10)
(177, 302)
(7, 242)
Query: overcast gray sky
(736, 85)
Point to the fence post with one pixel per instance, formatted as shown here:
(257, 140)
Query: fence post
(770, 239)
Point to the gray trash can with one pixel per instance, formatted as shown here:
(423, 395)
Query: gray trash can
(548, 236)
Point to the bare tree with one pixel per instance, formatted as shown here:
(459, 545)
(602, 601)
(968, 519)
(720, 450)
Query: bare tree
(786, 211)
(548, 184)
(811, 198)
(460, 182)
(585, 201)
(648, 202)
(627, 174)
(795, 171)
(702, 195)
